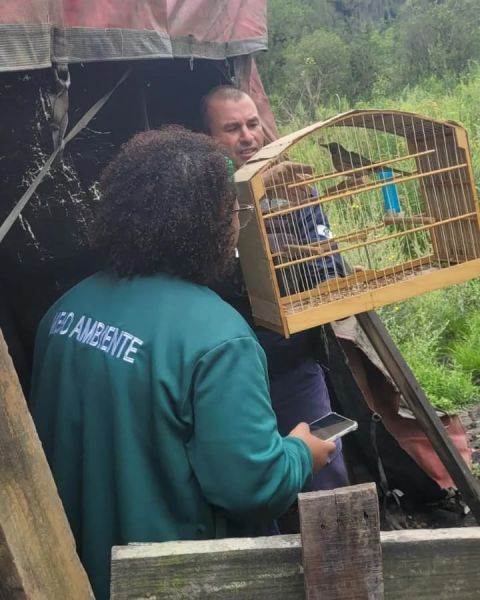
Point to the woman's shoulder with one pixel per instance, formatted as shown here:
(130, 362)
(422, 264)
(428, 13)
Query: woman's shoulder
(218, 315)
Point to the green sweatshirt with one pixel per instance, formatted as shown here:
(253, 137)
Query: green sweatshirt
(151, 399)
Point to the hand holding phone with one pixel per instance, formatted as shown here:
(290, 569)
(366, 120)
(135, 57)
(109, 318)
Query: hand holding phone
(332, 426)
(319, 449)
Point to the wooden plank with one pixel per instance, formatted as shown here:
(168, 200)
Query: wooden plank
(10, 580)
(456, 240)
(257, 264)
(269, 325)
(422, 409)
(337, 239)
(462, 140)
(313, 249)
(319, 248)
(231, 569)
(37, 551)
(448, 196)
(340, 531)
(266, 310)
(440, 564)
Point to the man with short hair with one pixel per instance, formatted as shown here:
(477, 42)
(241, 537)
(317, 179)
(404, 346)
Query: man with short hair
(230, 116)
(297, 383)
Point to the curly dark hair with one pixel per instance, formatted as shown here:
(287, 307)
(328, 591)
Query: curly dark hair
(167, 206)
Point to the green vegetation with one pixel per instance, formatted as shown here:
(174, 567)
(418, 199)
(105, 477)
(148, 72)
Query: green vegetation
(476, 470)
(421, 56)
(439, 336)
(321, 50)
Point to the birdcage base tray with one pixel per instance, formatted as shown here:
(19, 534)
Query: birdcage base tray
(323, 308)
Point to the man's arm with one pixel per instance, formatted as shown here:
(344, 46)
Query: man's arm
(277, 179)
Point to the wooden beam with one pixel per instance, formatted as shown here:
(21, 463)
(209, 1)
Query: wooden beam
(340, 531)
(231, 569)
(37, 551)
(422, 409)
(439, 564)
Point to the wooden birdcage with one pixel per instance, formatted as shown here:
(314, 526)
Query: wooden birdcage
(403, 217)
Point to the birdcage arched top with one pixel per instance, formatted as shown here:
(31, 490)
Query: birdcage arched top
(406, 124)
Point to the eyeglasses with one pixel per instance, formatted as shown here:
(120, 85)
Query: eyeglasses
(245, 213)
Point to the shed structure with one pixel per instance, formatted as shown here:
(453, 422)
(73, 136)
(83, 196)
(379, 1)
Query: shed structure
(139, 65)
(57, 59)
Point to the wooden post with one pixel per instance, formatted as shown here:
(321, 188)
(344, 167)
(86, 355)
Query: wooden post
(340, 531)
(37, 551)
(422, 409)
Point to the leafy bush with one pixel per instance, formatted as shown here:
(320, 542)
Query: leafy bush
(427, 39)
(447, 387)
(439, 336)
(367, 48)
(465, 350)
(311, 76)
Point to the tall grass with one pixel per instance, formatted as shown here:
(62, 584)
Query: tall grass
(435, 98)
(439, 336)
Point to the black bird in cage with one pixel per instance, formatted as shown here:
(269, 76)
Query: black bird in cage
(344, 160)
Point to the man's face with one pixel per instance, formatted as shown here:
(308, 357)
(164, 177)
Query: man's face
(236, 125)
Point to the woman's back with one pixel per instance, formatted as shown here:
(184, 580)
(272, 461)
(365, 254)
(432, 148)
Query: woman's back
(151, 400)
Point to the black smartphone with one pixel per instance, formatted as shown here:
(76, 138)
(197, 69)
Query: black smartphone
(332, 426)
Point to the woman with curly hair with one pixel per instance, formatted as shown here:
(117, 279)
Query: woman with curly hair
(150, 393)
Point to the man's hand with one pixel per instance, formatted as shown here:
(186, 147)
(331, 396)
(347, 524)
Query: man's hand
(280, 176)
(320, 449)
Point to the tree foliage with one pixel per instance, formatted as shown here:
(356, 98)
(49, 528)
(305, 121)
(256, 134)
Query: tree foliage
(310, 62)
(326, 49)
(437, 38)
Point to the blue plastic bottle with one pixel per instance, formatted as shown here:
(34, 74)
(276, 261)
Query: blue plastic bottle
(391, 200)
